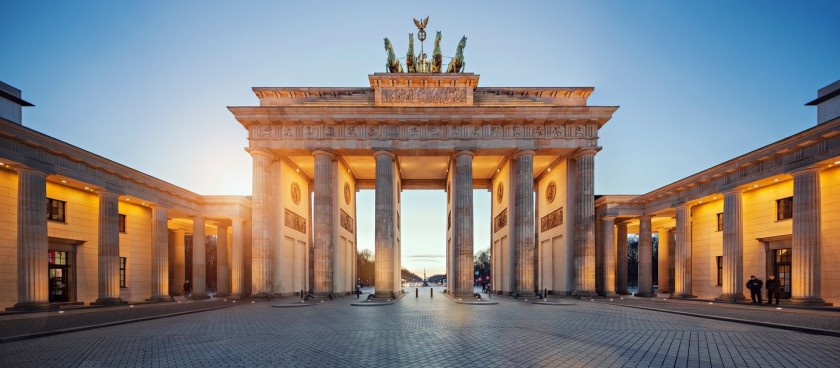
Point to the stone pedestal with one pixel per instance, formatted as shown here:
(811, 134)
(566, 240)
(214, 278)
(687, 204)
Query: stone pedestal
(584, 245)
(199, 260)
(523, 224)
(645, 258)
(733, 252)
(109, 249)
(805, 269)
(462, 225)
(32, 244)
(682, 253)
(384, 231)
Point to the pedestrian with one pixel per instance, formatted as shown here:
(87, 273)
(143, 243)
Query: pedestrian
(187, 288)
(755, 284)
(772, 287)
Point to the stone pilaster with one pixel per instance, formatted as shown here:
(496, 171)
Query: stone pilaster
(180, 262)
(663, 261)
(523, 223)
(682, 253)
(805, 267)
(32, 261)
(621, 259)
(733, 252)
(645, 258)
(609, 256)
(584, 215)
(160, 254)
(222, 289)
(323, 221)
(462, 224)
(109, 249)
(237, 284)
(199, 260)
(384, 231)
(261, 225)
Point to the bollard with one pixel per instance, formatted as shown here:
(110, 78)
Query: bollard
(416, 292)
(301, 294)
(432, 292)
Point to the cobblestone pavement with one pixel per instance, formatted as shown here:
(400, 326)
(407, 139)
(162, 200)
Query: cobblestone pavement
(428, 332)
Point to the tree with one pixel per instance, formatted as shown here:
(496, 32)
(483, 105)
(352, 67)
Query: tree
(481, 265)
(366, 267)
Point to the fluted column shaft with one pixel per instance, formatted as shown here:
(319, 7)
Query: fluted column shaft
(32, 261)
(663, 261)
(584, 254)
(199, 260)
(261, 225)
(621, 259)
(160, 254)
(645, 257)
(222, 267)
(236, 258)
(805, 270)
(384, 231)
(462, 224)
(609, 256)
(180, 261)
(109, 249)
(523, 223)
(682, 253)
(323, 221)
(733, 242)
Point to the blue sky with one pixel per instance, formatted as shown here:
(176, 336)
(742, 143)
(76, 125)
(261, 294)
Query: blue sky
(147, 83)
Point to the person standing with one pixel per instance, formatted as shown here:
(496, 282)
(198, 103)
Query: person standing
(772, 287)
(755, 284)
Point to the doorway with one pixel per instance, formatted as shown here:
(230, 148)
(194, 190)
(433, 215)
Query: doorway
(782, 268)
(58, 276)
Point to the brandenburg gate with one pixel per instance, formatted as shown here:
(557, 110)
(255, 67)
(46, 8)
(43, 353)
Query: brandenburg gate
(533, 147)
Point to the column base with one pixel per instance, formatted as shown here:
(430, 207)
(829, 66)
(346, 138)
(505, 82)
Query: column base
(199, 296)
(385, 294)
(223, 294)
(109, 301)
(160, 298)
(808, 302)
(33, 306)
(585, 293)
(683, 296)
(731, 298)
(644, 294)
(623, 292)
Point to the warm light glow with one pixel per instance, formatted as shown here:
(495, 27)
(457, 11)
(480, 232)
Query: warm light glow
(87, 188)
(776, 180)
(127, 199)
(64, 181)
(837, 162)
(714, 198)
(549, 169)
(2, 164)
(755, 186)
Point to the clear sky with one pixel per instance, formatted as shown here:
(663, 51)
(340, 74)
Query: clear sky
(147, 83)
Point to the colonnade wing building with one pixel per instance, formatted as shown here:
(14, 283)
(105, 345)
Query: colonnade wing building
(79, 228)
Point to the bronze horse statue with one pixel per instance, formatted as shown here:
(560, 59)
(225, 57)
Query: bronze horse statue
(437, 55)
(409, 56)
(456, 65)
(392, 65)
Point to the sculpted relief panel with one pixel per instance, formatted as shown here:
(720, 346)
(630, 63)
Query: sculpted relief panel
(429, 131)
(441, 95)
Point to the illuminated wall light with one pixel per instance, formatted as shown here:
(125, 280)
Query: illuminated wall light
(549, 169)
(127, 199)
(755, 186)
(2, 164)
(837, 162)
(64, 182)
(87, 188)
(297, 170)
(776, 180)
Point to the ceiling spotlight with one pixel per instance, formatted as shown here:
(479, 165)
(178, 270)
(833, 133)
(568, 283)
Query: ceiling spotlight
(297, 170)
(755, 186)
(64, 181)
(127, 199)
(549, 169)
(87, 188)
(776, 180)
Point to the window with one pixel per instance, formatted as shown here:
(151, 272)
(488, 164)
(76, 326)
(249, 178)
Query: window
(58, 258)
(122, 223)
(719, 260)
(55, 210)
(720, 221)
(784, 208)
(122, 272)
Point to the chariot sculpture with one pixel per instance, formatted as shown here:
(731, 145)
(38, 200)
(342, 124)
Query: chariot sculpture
(420, 62)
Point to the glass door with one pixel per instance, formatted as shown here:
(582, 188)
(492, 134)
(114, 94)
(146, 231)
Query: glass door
(58, 277)
(782, 268)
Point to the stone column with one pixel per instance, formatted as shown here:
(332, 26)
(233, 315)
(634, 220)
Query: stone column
(609, 256)
(805, 267)
(682, 274)
(384, 217)
(160, 254)
(180, 262)
(584, 252)
(236, 258)
(663, 261)
(523, 223)
(32, 261)
(222, 289)
(199, 260)
(733, 243)
(323, 222)
(261, 225)
(645, 258)
(109, 249)
(462, 224)
(621, 259)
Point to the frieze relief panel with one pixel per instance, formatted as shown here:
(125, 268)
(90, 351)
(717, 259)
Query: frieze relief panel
(426, 96)
(500, 221)
(551, 220)
(347, 222)
(294, 221)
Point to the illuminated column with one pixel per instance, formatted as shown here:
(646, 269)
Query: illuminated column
(645, 258)
(180, 261)
(32, 241)
(584, 251)
(621, 259)
(609, 256)
(384, 217)
(462, 224)
(663, 261)
(323, 222)
(682, 253)
(236, 258)
(109, 249)
(199, 260)
(261, 225)
(523, 223)
(733, 252)
(805, 270)
(222, 289)
(160, 254)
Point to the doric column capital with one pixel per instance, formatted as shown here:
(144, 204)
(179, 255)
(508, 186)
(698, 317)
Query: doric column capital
(463, 153)
(732, 190)
(27, 170)
(260, 152)
(584, 152)
(609, 219)
(384, 153)
(323, 153)
(806, 170)
(528, 153)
